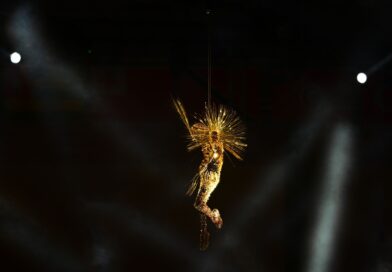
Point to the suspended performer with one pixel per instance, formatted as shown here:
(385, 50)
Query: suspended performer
(217, 131)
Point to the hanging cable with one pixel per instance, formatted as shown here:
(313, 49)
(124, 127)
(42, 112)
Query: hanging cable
(209, 61)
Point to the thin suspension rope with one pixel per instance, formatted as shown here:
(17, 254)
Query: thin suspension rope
(209, 64)
(204, 234)
(209, 73)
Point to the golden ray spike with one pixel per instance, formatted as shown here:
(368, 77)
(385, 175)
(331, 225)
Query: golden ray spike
(181, 111)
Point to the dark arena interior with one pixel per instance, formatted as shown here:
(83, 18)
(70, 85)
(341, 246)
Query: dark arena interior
(93, 159)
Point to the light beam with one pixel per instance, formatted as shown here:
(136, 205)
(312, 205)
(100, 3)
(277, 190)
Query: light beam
(322, 242)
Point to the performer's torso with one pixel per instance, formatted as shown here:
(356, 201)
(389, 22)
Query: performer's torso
(212, 157)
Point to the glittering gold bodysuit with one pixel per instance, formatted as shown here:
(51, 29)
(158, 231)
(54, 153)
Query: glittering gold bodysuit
(218, 130)
(210, 171)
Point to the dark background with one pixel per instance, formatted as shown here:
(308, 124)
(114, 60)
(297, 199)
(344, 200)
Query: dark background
(93, 165)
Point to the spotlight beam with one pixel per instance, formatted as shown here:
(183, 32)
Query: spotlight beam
(323, 238)
(362, 77)
(380, 64)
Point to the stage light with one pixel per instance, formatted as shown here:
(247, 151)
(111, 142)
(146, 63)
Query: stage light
(361, 78)
(15, 57)
(331, 205)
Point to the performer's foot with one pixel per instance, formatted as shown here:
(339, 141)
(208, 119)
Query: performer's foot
(216, 218)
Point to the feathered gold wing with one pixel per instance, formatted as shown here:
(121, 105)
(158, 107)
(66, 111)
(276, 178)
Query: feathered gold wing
(181, 111)
(196, 133)
(200, 136)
